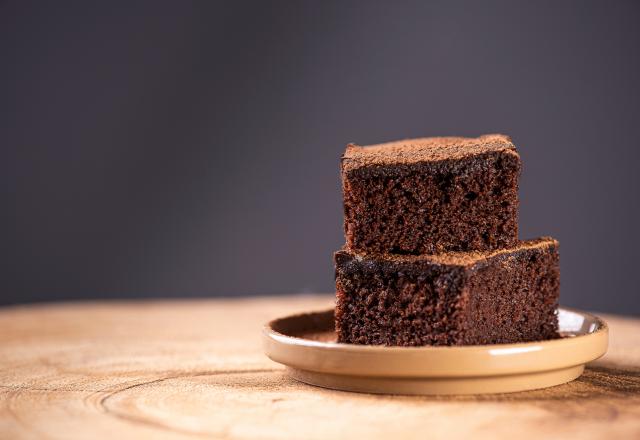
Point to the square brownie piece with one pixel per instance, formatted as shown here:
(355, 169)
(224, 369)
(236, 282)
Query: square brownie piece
(460, 298)
(431, 195)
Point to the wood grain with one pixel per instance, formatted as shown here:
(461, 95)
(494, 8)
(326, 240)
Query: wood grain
(189, 369)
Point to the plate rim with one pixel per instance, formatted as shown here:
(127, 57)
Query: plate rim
(270, 332)
(434, 361)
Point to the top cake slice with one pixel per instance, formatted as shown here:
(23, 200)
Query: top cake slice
(431, 195)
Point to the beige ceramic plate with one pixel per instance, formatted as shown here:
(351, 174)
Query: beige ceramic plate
(306, 345)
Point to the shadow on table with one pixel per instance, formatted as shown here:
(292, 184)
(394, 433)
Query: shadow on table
(598, 382)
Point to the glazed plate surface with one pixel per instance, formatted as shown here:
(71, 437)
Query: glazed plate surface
(306, 345)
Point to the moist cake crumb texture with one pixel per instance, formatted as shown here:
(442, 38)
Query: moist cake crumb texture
(431, 195)
(432, 255)
(501, 297)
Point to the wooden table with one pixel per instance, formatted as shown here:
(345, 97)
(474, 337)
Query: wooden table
(185, 369)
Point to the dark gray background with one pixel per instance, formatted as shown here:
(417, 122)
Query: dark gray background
(168, 149)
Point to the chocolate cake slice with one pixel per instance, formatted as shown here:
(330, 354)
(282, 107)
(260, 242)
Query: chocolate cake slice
(430, 195)
(502, 296)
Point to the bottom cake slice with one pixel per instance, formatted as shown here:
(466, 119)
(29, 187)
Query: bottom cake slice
(462, 298)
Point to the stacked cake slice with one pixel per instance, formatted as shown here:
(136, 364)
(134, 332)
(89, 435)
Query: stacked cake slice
(432, 255)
